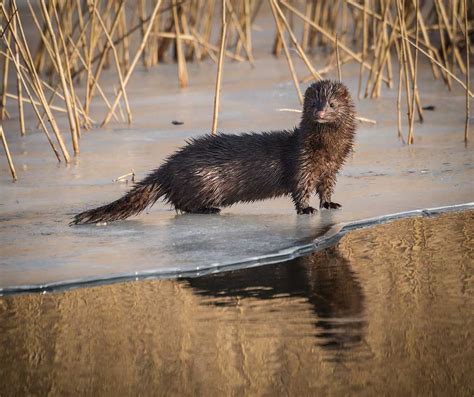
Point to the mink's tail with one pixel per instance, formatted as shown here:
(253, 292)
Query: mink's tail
(143, 195)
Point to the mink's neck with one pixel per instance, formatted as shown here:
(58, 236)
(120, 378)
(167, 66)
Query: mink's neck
(330, 138)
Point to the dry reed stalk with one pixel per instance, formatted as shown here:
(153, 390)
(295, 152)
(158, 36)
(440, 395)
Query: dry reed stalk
(381, 52)
(399, 97)
(126, 35)
(325, 70)
(446, 70)
(287, 53)
(383, 62)
(6, 63)
(99, 88)
(67, 95)
(169, 35)
(117, 64)
(338, 61)
(277, 43)
(123, 39)
(208, 22)
(134, 62)
(55, 92)
(411, 66)
(219, 70)
(404, 50)
(119, 105)
(125, 45)
(232, 34)
(365, 120)
(388, 60)
(68, 79)
(27, 100)
(328, 36)
(345, 20)
(240, 32)
(379, 17)
(19, 88)
(248, 26)
(454, 10)
(198, 18)
(194, 50)
(364, 48)
(323, 22)
(426, 39)
(197, 51)
(451, 37)
(7, 153)
(443, 46)
(90, 54)
(94, 78)
(308, 11)
(36, 84)
(72, 58)
(141, 16)
(209, 49)
(101, 40)
(466, 39)
(315, 16)
(299, 50)
(82, 27)
(358, 118)
(33, 104)
(410, 129)
(182, 70)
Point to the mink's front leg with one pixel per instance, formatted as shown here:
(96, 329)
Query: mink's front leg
(302, 192)
(325, 189)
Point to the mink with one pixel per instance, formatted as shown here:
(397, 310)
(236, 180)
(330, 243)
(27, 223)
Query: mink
(215, 171)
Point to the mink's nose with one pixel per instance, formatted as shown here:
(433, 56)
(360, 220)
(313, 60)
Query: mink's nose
(319, 114)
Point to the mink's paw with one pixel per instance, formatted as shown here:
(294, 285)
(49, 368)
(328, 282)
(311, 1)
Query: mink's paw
(207, 210)
(307, 210)
(330, 205)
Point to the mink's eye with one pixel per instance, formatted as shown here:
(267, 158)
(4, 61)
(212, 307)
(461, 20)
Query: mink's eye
(332, 104)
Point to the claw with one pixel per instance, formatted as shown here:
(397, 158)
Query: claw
(307, 210)
(330, 205)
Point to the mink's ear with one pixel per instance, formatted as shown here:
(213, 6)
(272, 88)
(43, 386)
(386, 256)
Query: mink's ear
(310, 90)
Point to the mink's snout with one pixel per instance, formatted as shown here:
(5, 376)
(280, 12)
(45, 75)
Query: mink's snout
(319, 114)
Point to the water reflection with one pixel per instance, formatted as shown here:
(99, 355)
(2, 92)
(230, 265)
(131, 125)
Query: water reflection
(388, 311)
(325, 280)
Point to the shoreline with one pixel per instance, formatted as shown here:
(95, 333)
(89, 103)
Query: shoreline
(328, 239)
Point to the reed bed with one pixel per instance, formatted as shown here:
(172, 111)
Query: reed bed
(72, 42)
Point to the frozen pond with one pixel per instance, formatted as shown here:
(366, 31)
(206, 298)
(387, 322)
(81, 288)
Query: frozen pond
(37, 246)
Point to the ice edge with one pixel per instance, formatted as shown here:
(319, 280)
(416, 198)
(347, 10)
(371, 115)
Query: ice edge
(332, 236)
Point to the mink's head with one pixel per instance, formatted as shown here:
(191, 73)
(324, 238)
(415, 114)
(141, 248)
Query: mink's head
(328, 102)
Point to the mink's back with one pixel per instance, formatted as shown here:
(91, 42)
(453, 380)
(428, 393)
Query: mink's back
(219, 170)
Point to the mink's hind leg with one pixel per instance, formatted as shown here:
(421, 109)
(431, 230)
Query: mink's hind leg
(204, 210)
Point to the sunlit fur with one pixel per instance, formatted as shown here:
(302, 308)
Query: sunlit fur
(215, 171)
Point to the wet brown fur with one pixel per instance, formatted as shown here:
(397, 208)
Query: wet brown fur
(211, 172)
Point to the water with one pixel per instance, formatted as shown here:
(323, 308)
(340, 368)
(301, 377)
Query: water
(387, 311)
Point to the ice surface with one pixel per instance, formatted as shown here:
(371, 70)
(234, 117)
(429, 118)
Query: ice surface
(383, 176)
